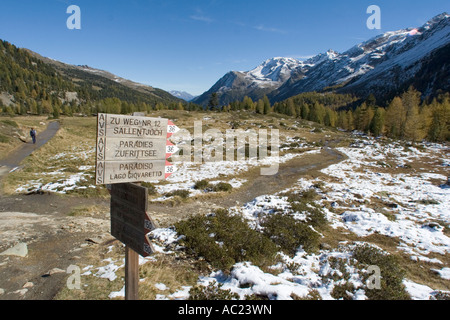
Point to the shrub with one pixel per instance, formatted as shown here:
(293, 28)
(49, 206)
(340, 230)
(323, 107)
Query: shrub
(184, 194)
(222, 186)
(312, 295)
(310, 195)
(427, 201)
(223, 240)
(213, 291)
(343, 291)
(306, 196)
(150, 187)
(4, 139)
(11, 123)
(392, 275)
(219, 187)
(289, 233)
(303, 203)
(201, 185)
(315, 216)
(440, 295)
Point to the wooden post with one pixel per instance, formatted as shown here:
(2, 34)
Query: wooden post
(132, 271)
(131, 274)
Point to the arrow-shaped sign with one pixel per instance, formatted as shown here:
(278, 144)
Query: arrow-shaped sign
(170, 149)
(170, 169)
(171, 129)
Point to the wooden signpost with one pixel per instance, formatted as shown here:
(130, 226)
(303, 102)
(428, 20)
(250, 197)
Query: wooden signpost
(131, 150)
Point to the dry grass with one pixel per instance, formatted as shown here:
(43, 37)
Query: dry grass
(77, 136)
(174, 274)
(87, 210)
(165, 269)
(416, 271)
(93, 287)
(74, 144)
(71, 151)
(420, 271)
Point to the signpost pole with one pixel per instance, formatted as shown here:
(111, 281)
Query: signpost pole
(131, 274)
(131, 149)
(132, 270)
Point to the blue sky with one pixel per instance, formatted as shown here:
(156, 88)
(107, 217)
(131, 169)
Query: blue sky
(189, 44)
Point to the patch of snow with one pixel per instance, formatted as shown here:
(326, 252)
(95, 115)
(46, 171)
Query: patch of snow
(444, 273)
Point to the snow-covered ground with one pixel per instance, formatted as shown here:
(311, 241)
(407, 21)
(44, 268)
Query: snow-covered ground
(58, 179)
(408, 182)
(190, 172)
(61, 183)
(70, 170)
(419, 208)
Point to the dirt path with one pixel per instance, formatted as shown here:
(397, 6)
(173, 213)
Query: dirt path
(53, 239)
(56, 240)
(16, 157)
(288, 174)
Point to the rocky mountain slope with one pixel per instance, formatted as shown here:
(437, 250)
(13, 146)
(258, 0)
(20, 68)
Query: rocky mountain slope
(263, 79)
(384, 65)
(182, 95)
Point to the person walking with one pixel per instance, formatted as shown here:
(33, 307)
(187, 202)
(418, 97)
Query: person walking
(33, 135)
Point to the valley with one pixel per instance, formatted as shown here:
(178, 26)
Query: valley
(380, 192)
(325, 177)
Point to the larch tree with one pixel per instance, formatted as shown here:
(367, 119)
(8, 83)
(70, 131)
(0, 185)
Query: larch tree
(377, 123)
(395, 118)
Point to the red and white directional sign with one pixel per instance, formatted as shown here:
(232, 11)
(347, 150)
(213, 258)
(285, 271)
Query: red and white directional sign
(133, 149)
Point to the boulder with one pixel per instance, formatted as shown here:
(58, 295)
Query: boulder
(19, 250)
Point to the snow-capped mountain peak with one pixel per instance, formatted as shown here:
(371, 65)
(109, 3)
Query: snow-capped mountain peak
(277, 69)
(322, 57)
(182, 95)
(385, 63)
(382, 65)
(436, 20)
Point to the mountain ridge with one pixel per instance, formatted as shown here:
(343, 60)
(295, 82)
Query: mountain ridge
(143, 88)
(257, 82)
(27, 79)
(411, 56)
(186, 96)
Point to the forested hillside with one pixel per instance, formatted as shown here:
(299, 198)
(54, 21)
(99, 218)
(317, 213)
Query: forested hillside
(404, 117)
(31, 85)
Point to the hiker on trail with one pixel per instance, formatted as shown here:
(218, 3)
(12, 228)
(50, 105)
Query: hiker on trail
(33, 135)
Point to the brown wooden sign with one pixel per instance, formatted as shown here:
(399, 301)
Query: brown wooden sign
(134, 171)
(130, 222)
(133, 149)
(126, 149)
(122, 126)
